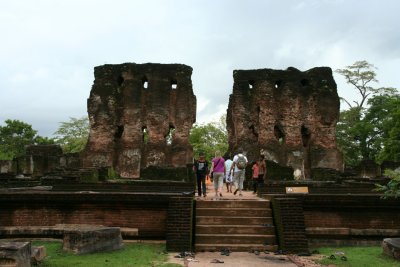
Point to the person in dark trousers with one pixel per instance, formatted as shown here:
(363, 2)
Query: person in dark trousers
(255, 169)
(262, 171)
(200, 168)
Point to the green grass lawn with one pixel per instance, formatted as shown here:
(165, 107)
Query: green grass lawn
(134, 254)
(358, 257)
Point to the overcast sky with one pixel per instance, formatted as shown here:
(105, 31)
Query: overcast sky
(48, 48)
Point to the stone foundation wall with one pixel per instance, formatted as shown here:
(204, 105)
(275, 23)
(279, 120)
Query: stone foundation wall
(147, 212)
(289, 221)
(351, 211)
(335, 220)
(328, 188)
(179, 225)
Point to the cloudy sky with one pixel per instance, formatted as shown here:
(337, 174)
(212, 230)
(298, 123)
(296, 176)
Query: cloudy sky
(48, 48)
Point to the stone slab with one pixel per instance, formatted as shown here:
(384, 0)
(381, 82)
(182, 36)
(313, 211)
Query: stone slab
(38, 254)
(391, 247)
(82, 239)
(16, 254)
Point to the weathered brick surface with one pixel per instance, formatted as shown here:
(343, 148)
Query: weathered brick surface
(133, 108)
(320, 187)
(180, 224)
(351, 211)
(301, 132)
(289, 221)
(146, 212)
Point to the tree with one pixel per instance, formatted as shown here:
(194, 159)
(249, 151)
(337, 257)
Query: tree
(357, 132)
(44, 140)
(209, 138)
(384, 115)
(14, 136)
(361, 74)
(346, 136)
(72, 135)
(392, 188)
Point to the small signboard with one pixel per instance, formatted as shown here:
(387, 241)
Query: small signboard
(297, 190)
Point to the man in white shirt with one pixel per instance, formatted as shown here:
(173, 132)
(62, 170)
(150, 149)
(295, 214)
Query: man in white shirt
(239, 170)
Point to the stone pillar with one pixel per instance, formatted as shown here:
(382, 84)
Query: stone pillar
(289, 221)
(180, 224)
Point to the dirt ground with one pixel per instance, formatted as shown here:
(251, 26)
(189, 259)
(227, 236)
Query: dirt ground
(235, 259)
(244, 259)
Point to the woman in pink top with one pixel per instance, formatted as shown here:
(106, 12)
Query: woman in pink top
(218, 170)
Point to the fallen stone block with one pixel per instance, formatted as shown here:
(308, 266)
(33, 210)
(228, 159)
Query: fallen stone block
(15, 254)
(38, 254)
(82, 239)
(391, 247)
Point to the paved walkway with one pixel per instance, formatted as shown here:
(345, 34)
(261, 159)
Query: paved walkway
(235, 259)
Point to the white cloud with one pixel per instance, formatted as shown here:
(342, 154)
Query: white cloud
(49, 48)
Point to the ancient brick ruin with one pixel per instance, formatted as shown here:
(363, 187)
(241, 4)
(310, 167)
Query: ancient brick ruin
(140, 116)
(287, 115)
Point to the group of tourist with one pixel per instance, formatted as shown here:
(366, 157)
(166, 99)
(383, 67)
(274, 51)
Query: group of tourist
(231, 172)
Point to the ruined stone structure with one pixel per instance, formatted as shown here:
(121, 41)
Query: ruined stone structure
(287, 115)
(140, 116)
(38, 160)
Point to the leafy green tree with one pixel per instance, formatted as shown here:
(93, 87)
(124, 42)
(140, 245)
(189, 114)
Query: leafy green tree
(14, 136)
(72, 135)
(44, 140)
(209, 137)
(358, 134)
(392, 188)
(347, 135)
(361, 74)
(384, 115)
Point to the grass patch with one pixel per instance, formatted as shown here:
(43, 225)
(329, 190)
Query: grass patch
(134, 254)
(357, 256)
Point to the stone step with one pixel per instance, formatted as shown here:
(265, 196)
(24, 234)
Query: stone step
(233, 204)
(234, 247)
(235, 229)
(234, 212)
(237, 225)
(223, 220)
(235, 239)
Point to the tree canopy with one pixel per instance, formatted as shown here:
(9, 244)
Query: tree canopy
(368, 126)
(15, 135)
(209, 137)
(72, 135)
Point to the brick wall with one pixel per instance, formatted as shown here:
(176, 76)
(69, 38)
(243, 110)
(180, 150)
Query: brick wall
(350, 219)
(351, 211)
(289, 221)
(349, 187)
(147, 212)
(180, 224)
(333, 219)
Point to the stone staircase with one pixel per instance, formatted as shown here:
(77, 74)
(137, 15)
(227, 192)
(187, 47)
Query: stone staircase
(237, 225)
